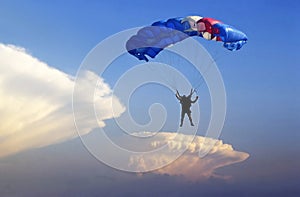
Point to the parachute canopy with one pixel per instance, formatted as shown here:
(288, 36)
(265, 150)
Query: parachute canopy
(152, 39)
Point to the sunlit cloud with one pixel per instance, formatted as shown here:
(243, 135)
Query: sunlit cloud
(189, 165)
(36, 102)
(36, 111)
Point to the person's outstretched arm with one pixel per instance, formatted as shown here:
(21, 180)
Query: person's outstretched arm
(178, 95)
(195, 99)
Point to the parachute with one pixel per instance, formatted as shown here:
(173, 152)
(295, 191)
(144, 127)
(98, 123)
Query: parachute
(153, 39)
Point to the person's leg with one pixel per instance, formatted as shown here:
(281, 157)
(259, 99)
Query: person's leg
(182, 117)
(190, 118)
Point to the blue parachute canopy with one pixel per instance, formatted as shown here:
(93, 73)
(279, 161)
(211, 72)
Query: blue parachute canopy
(152, 39)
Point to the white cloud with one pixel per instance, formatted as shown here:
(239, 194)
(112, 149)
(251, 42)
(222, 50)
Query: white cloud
(36, 102)
(189, 165)
(36, 111)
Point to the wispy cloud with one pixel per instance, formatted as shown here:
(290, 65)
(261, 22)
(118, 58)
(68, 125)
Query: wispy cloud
(189, 165)
(36, 102)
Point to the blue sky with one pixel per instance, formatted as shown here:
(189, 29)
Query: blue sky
(261, 80)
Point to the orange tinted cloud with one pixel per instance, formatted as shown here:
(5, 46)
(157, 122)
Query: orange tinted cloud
(189, 165)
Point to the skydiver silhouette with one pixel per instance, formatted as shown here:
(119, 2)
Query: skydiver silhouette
(186, 104)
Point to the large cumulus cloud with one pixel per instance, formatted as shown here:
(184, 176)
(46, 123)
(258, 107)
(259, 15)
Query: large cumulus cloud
(36, 102)
(189, 165)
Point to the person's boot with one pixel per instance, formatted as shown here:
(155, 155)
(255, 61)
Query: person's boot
(192, 124)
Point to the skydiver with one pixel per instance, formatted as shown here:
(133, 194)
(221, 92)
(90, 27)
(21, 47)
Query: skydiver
(186, 104)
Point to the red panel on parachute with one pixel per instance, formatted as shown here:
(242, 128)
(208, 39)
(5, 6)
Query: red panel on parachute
(208, 22)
